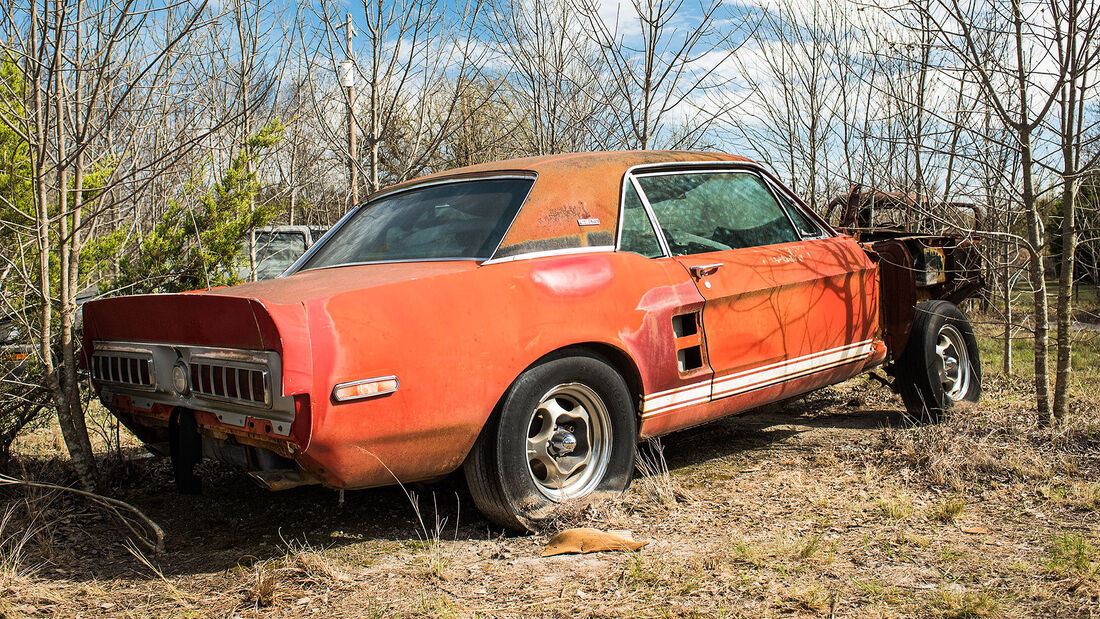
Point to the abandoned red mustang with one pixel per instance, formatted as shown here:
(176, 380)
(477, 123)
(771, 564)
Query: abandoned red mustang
(531, 321)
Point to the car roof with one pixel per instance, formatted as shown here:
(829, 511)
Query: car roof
(569, 189)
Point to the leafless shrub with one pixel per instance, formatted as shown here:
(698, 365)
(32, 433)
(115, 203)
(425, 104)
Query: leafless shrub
(23, 403)
(143, 530)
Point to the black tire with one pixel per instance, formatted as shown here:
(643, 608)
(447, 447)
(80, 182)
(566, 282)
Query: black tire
(928, 382)
(185, 448)
(517, 490)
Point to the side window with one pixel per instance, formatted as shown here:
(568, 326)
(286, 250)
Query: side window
(806, 226)
(638, 235)
(715, 211)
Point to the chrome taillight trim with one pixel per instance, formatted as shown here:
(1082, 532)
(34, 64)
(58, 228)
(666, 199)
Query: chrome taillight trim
(129, 367)
(218, 379)
(258, 399)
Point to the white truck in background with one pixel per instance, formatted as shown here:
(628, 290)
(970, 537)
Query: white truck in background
(272, 249)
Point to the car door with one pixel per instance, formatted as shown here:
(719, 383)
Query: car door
(788, 305)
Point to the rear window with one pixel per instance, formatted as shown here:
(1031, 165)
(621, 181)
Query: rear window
(461, 220)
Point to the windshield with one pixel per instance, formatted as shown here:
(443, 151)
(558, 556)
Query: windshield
(461, 220)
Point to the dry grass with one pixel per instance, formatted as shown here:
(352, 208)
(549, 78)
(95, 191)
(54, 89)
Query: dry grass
(435, 560)
(1073, 554)
(1000, 441)
(948, 509)
(285, 580)
(655, 481)
(968, 605)
(654, 490)
(824, 508)
(15, 567)
(895, 508)
(1078, 494)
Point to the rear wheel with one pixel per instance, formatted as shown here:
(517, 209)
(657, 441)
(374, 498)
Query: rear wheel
(565, 430)
(940, 365)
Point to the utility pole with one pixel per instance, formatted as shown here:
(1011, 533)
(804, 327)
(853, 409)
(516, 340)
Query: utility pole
(347, 80)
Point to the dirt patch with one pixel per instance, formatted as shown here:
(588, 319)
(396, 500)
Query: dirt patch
(830, 505)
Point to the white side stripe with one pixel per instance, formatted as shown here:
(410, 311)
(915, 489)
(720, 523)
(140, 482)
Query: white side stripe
(676, 390)
(787, 370)
(755, 378)
(692, 394)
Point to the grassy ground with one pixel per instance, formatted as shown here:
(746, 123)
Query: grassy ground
(828, 506)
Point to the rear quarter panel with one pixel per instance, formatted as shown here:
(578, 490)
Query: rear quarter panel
(457, 342)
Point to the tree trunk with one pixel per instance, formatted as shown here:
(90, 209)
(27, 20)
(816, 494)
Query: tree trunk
(1006, 286)
(62, 382)
(1072, 94)
(1038, 282)
(1063, 365)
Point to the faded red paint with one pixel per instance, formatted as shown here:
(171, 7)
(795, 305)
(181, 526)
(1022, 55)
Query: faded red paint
(573, 277)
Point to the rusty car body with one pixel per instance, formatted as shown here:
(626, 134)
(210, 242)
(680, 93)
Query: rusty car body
(530, 320)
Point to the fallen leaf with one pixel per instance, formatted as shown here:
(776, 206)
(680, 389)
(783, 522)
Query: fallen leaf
(584, 540)
(976, 531)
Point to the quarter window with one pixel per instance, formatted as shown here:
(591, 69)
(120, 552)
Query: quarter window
(716, 211)
(806, 226)
(638, 235)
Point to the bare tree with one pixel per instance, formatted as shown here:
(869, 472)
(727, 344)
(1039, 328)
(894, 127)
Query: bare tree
(419, 56)
(654, 67)
(800, 81)
(549, 76)
(90, 68)
(963, 29)
(1078, 54)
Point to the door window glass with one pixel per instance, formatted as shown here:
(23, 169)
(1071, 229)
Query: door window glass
(638, 235)
(715, 211)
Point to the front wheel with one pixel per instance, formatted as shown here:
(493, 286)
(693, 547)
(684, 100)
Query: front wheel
(565, 430)
(940, 365)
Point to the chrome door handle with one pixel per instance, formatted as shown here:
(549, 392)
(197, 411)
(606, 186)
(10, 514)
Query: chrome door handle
(700, 271)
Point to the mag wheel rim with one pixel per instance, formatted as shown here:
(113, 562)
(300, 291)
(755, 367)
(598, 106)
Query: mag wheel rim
(568, 442)
(953, 362)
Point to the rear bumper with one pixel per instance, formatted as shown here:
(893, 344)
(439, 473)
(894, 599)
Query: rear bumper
(151, 426)
(393, 447)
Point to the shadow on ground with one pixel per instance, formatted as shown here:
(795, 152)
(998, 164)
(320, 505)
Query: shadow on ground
(235, 522)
